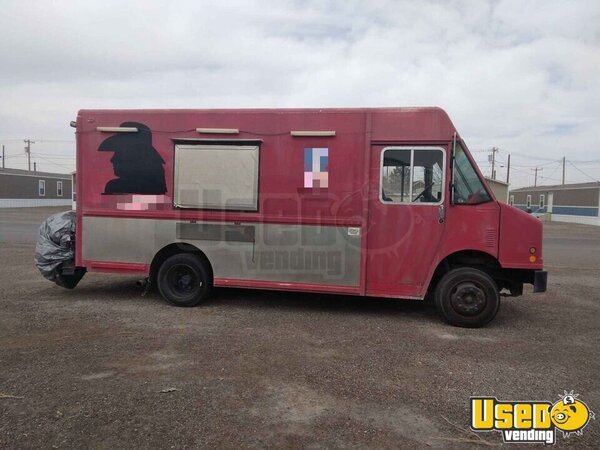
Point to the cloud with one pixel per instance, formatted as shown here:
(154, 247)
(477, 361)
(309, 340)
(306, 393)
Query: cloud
(519, 75)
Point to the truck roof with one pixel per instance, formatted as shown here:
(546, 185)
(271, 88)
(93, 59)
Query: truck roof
(404, 110)
(387, 124)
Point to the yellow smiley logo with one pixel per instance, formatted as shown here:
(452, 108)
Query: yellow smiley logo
(570, 415)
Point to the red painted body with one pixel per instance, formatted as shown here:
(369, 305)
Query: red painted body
(402, 245)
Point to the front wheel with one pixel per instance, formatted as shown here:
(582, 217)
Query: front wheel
(184, 280)
(467, 297)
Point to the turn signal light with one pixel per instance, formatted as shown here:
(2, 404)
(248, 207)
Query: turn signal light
(532, 259)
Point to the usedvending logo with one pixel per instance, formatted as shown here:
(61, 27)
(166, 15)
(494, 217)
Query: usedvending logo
(531, 422)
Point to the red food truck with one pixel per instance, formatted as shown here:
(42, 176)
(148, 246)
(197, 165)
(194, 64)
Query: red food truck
(378, 202)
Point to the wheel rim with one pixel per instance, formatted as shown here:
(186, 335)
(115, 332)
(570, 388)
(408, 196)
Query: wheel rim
(183, 280)
(468, 298)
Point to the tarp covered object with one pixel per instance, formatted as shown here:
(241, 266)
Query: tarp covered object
(55, 245)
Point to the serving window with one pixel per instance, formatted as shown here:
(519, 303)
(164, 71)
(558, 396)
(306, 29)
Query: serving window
(216, 176)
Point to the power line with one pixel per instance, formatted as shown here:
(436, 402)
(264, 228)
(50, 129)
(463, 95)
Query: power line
(520, 170)
(549, 177)
(65, 141)
(558, 161)
(550, 160)
(589, 161)
(54, 156)
(529, 174)
(581, 171)
(56, 164)
(532, 157)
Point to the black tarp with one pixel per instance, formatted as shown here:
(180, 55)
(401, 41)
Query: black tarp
(55, 250)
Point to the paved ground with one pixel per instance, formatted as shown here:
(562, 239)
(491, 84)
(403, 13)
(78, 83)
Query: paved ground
(103, 367)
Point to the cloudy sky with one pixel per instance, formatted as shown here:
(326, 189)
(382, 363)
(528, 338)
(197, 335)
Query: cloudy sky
(523, 76)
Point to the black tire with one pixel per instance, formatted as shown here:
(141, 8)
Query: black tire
(184, 280)
(467, 297)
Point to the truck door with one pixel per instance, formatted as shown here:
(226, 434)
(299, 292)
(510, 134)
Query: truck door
(406, 217)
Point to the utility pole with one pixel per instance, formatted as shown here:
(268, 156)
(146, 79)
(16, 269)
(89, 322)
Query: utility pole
(536, 172)
(28, 151)
(34, 166)
(563, 177)
(3, 156)
(508, 170)
(494, 150)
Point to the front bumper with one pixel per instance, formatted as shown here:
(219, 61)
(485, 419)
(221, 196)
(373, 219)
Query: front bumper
(540, 280)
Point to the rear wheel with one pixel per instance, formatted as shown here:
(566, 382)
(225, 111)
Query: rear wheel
(184, 280)
(467, 297)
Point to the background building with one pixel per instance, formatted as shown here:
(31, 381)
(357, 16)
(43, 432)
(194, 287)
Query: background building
(22, 188)
(578, 203)
(500, 189)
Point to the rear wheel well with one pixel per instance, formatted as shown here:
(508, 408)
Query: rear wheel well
(173, 249)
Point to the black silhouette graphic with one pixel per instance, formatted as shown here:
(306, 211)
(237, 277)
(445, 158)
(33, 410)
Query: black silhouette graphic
(136, 163)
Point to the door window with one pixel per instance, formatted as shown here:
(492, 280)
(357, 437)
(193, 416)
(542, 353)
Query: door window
(412, 175)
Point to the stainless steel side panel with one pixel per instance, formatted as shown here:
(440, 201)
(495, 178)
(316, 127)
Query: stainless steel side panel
(265, 252)
(215, 232)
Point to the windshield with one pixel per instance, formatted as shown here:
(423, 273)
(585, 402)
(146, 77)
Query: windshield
(468, 188)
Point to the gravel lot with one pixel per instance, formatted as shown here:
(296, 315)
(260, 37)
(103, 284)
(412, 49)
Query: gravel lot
(104, 367)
